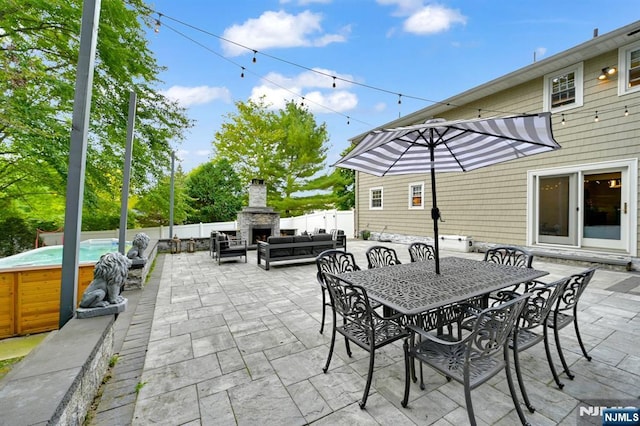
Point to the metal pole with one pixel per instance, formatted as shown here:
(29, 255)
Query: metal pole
(126, 177)
(173, 162)
(435, 212)
(78, 159)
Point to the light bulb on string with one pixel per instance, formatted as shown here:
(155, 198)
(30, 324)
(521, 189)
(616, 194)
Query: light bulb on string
(563, 122)
(348, 121)
(242, 73)
(479, 114)
(302, 102)
(626, 111)
(157, 27)
(399, 98)
(254, 56)
(596, 119)
(334, 82)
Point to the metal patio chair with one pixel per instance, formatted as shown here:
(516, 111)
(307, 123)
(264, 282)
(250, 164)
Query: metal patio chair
(532, 327)
(421, 251)
(509, 255)
(378, 256)
(566, 312)
(474, 359)
(336, 262)
(361, 324)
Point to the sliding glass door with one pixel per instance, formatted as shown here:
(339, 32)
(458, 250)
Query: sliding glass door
(587, 207)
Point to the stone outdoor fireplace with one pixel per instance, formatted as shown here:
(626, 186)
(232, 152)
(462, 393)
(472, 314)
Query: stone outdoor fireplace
(257, 222)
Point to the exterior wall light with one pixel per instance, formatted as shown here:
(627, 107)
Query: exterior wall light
(606, 72)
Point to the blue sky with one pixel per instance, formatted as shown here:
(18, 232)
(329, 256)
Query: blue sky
(376, 49)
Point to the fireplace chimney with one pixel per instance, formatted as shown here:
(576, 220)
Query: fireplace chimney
(257, 193)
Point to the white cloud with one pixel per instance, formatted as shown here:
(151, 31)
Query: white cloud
(433, 19)
(380, 106)
(188, 96)
(425, 19)
(540, 52)
(278, 29)
(203, 152)
(404, 7)
(277, 89)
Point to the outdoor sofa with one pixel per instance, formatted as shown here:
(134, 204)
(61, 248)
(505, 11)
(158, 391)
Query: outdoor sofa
(293, 247)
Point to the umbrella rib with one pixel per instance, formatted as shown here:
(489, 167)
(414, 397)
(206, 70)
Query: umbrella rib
(453, 155)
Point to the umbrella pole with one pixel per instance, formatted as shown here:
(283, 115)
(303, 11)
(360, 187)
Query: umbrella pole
(435, 212)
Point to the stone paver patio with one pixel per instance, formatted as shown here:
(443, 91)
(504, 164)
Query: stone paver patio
(235, 344)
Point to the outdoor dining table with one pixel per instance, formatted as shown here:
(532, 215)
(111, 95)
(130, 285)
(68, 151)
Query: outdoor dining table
(428, 299)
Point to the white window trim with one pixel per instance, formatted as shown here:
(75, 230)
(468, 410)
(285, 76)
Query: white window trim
(546, 99)
(630, 163)
(378, 188)
(410, 197)
(623, 69)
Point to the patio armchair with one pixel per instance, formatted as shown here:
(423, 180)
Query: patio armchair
(512, 256)
(421, 251)
(474, 359)
(566, 312)
(361, 324)
(336, 262)
(378, 256)
(509, 255)
(532, 328)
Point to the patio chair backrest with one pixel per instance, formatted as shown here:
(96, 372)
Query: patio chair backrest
(509, 255)
(336, 262)
(421, 251)
(350, 301)
(574, 289)
(544, 297)
(492, 329)
(378, 256)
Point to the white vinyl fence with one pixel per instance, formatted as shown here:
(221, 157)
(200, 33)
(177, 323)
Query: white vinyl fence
(327, 219)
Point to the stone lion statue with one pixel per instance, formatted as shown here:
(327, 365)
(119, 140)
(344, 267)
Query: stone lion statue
(139, 245)
(109, 275)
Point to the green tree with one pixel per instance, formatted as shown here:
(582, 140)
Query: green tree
(344, 185)
(39, 45)
(152, 207)
(17, 236)
(285, 148)
(215, 192)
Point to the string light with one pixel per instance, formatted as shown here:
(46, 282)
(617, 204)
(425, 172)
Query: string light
(302, 102)
(348, 121)
(334, 78)
(242, 73)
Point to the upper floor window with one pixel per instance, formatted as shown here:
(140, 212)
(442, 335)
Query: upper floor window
(375, 198)
(563, 89)
(416, 195)
(629, 76)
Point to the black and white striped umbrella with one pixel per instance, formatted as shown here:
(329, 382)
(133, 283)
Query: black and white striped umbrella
(450, 146)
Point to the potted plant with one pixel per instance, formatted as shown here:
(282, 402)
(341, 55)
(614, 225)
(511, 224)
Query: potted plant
(365, 234)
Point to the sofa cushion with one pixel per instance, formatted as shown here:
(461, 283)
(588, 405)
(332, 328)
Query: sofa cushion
(279, 240)
(279, 252)
(320, 248)
(302, 250)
